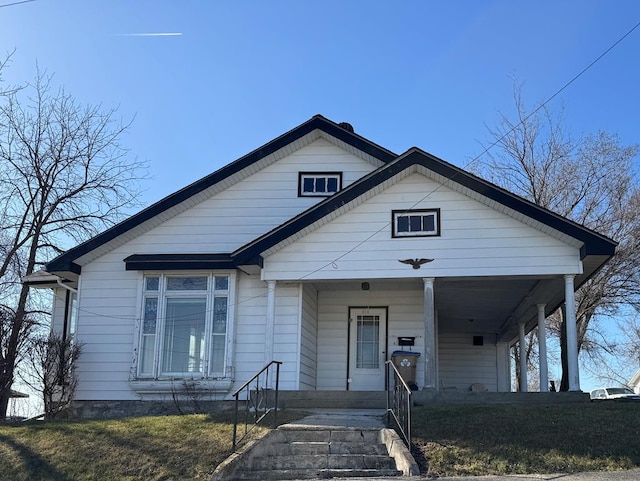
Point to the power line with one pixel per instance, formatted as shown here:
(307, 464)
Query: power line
(333, 263)
(16, 3)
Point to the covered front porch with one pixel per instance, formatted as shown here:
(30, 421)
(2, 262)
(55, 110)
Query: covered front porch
(462, 328)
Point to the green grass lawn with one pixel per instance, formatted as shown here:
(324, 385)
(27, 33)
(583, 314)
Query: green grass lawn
(456, 440)
(523, 439)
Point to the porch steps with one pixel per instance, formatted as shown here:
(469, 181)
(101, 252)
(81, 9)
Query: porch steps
(332, 399)
(316, 452)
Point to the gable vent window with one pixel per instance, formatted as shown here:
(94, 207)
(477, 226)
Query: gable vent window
(416, 223)
(319, 184)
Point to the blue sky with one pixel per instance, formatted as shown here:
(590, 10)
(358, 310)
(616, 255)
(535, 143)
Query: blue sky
(403, 73)
(430, 74)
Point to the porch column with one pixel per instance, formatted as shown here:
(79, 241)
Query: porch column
(430, 368)
(572, 333)
(523, 359)
(270, 321)
(542, 349)
(503, 365)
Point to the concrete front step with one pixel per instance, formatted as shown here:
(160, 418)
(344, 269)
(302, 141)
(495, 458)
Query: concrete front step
(323, 461)
(297, 448)
(308, 452)
(314, 474)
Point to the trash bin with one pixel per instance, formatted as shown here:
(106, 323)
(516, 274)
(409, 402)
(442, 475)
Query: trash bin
(405, 362)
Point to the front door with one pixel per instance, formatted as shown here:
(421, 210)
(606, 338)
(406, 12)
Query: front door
(367, 352)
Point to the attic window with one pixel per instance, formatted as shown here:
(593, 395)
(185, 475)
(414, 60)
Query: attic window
(416, 223)
(319, 184)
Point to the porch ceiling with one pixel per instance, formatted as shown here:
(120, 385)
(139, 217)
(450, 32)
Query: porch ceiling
(477, 305)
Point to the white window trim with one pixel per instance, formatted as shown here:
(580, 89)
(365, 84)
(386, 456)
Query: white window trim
(164, 383)
(397, 214)
(317, 175)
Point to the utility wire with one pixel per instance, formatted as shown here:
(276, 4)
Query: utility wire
(16, 3)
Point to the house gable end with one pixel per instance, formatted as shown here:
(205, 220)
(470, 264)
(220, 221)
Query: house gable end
(468, 239)
(316, 127)
(592, 243)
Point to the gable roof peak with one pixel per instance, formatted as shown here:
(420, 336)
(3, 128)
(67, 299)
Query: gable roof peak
(67, 261)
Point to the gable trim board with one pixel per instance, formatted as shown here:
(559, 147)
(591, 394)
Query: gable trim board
(66, 263)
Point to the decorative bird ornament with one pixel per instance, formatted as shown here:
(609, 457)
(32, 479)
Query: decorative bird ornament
(415, 263)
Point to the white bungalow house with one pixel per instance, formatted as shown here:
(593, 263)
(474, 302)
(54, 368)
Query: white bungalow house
(320, 249)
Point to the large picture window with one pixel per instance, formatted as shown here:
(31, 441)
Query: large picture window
(184, 325)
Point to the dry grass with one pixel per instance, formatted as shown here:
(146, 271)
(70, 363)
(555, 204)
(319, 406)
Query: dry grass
(449, 441)
(519, 439)
(151, 448)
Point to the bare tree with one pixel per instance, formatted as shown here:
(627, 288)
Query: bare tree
(51, 370)
(64, 176)
(589, 180)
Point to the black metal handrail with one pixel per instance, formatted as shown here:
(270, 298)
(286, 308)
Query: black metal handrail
(399, 402)
(257, 400)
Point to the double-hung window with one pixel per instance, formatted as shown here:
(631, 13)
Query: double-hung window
(184, 325)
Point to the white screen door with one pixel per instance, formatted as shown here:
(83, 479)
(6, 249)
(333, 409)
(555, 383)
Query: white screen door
(367, 339)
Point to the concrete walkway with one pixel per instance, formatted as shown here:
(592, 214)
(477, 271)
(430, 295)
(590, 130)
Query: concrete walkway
(374, 418)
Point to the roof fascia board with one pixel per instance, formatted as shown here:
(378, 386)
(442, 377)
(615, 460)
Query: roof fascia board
(66, 261)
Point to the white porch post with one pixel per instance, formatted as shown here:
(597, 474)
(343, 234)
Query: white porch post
(572, 333)
(523, 359)
(503, 365)
(430, 373)
(270, 321)
(542, 350)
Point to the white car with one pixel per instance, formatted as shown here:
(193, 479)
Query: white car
(614, 393)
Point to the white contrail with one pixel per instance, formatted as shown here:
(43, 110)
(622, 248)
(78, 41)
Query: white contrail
(159, 34)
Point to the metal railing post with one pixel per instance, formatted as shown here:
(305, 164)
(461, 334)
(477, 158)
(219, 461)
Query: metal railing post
(400, 408)
(260, 406)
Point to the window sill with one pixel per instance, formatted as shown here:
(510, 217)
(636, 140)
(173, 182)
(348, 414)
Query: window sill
(152, 386)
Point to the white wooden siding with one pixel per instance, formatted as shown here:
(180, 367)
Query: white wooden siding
(308, 337)
(250, 207)
(251, 310)
(475, 241)
(463, 364)
(286, 346)
(57, 314)
(107, 311)
(405, 318)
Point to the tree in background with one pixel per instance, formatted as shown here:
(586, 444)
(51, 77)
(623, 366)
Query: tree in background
(589, 180)
(64, 176)
(51, 365)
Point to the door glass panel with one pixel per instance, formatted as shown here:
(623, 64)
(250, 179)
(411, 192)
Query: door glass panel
(368, 342)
